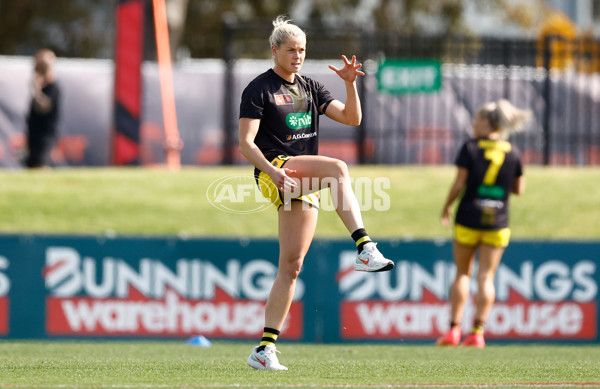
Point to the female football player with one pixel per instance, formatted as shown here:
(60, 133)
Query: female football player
(489, 170)
(278, 134)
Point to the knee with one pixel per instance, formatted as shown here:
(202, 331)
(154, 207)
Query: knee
(462, 281)
(291, 275)
(485, 281)
(291, 270)
(340, 168)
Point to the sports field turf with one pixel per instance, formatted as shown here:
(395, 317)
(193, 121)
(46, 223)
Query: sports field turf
(560, 203)
(175, 364)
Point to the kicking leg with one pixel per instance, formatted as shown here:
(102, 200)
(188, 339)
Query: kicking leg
(312, 173)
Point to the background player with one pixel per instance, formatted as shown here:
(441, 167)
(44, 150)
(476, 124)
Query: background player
(489, 170)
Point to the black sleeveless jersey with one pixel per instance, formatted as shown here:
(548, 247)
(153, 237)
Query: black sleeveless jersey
(493, 166)
(289, 113)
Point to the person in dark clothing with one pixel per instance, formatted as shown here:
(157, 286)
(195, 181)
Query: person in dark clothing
(43, 111)
(278, 134)
(489, 169)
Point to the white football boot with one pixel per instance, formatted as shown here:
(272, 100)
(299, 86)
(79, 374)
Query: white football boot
(371, 260)
(265, 360)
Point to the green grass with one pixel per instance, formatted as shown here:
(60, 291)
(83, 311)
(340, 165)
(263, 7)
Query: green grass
(175, 364)
(559, 203)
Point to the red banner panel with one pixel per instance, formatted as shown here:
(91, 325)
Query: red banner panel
(129, 54)
(4, 319)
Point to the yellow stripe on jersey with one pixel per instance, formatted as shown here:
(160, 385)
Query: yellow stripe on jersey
(499, 145)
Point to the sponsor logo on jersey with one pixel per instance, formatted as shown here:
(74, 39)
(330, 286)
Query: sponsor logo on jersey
(297, 120)
(301, 136)
(491, 191)
(487, 203)
(284, 99)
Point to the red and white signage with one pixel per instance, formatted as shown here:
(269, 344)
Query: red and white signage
(552, 300)
(153, 300)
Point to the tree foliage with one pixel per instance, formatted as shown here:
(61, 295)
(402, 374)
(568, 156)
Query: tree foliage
(203, 33)
(72, 28)
(85, 28)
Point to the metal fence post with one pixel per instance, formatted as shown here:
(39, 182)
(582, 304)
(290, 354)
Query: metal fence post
(547, 101)
(361, 134)
(506, 62)
(229, 22)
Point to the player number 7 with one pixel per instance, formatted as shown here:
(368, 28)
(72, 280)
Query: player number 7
(496, 158)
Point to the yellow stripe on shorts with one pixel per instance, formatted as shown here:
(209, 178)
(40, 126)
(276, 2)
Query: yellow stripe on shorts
(270, 191)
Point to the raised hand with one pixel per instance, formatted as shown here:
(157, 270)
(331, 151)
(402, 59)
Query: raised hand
(350, 71)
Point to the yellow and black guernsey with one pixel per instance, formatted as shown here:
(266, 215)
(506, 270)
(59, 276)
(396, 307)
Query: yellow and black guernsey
(289, 113)
(493, 166)
(289, 123)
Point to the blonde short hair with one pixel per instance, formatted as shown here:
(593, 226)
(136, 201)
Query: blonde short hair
(283, 29)
(504, 117)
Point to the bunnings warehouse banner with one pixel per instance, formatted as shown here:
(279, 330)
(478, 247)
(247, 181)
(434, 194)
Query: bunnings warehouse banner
(91, 287)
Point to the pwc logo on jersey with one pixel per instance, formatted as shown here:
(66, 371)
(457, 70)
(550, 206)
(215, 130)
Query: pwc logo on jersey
(284, 99)
(298, 120)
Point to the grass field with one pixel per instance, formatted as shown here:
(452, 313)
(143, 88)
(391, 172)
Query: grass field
(559, 203)
(171, 364)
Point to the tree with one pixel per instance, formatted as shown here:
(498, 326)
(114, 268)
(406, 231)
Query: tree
(72, 28)
(203, 32)
(85, 28)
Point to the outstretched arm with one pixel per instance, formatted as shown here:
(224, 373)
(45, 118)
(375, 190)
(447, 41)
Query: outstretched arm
(350, 112)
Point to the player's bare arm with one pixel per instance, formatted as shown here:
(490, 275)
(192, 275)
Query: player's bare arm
(518, 185)
(248, 128)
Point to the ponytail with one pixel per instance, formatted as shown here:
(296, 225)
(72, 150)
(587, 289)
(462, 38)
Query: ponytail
(505, 117)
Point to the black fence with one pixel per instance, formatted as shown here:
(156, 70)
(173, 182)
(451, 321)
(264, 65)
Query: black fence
(558, 80)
